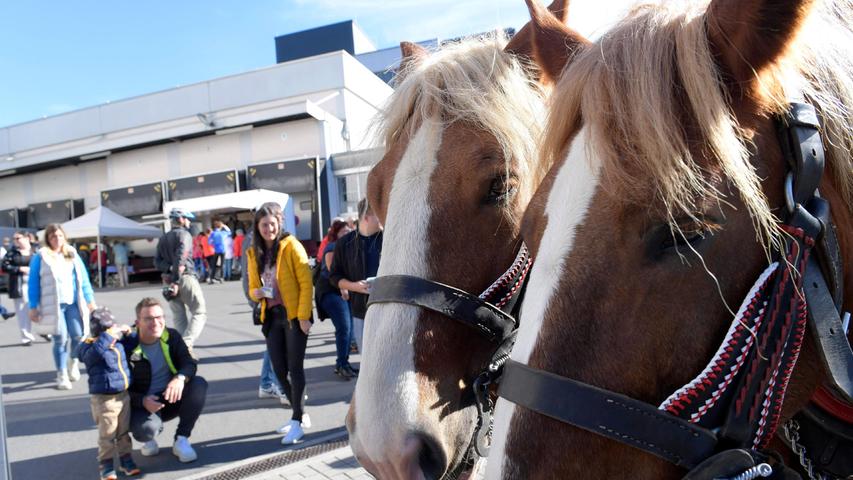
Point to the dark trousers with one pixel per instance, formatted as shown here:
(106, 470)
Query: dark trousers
(144, 425)
(286, 344)
(338, 309)
(212, 267)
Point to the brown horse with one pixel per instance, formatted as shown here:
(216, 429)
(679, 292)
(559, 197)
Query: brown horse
(661, 207)
(460, 134)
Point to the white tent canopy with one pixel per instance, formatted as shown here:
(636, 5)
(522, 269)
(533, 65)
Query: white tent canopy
(103, 222)
(245, 200)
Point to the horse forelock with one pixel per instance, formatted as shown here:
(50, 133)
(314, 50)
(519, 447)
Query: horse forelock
(622, 89)
(473, 81)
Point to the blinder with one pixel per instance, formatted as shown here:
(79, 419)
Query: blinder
(729, 413)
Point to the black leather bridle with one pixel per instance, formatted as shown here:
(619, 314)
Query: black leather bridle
(492, 314)
(719, 425)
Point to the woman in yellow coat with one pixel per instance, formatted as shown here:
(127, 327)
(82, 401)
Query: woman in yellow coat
(280, 281)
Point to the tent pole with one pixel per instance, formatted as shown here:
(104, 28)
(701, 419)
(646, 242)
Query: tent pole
(98, 259)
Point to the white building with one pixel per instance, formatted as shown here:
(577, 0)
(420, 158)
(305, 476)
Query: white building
(273, 128)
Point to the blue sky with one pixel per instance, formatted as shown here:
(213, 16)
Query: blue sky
(62, 55)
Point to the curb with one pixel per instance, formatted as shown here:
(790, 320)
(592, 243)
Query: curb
(254, 466)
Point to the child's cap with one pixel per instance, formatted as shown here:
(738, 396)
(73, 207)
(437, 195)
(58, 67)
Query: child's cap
(100, 320)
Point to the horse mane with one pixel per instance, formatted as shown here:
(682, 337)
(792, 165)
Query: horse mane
(634, 86)
(472, 81)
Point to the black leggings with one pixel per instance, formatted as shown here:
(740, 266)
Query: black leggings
(286, 345)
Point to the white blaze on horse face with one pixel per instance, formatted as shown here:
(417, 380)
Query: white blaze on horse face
(568, 203)
(386, 394)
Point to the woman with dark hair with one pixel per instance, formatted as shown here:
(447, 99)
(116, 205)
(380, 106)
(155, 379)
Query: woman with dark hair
(16, 263)
(280, 280)
(59, 294)
(334, 301)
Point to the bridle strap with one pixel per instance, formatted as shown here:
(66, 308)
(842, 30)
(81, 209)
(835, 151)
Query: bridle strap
(490, 321)
(606, 413)
(829, 334)
(492, 314)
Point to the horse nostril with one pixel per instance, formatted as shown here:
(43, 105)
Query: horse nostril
(431, 457)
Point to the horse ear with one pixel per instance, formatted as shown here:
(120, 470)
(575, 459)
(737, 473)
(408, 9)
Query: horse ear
(521, 44)
(553, 42)
(412, 54)
(749, 35)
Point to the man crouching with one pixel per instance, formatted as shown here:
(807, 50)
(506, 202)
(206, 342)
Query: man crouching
(164, 385)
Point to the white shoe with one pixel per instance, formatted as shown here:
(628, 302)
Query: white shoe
(293, 433)
(270, 392)
(74, 370)
(184, 450)
(150, 448)
(306, 423)
(62, 382)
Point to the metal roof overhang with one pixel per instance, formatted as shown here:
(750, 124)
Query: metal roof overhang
(186, 129)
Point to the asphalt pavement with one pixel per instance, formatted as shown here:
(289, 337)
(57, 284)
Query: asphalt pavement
(51, 434)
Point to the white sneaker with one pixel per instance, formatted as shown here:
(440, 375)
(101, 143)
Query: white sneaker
(150, 448)
(62, 382)
(184, 450)
(293, 433)
(306, 423)
(269, 392)
(74, 370)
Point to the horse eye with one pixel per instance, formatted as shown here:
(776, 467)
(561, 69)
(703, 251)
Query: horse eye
(688, 234)
(684, 236)
(501, 189)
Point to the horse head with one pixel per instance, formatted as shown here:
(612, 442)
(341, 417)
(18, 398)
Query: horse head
(460, 134)
(661, 208)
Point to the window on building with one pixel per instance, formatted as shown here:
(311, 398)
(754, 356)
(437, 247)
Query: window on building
(352, 188)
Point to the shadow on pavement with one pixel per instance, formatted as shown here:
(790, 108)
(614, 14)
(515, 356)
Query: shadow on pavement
(22, 382)
(75, 464)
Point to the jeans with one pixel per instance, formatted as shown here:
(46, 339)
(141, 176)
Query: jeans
(71, 327)
(226, 269)
(267, 375)
(286, 344)
(338, 309)
(144, 425)
(358, 333)
(200, 268)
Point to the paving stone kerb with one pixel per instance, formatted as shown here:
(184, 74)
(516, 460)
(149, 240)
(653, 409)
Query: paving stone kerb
(51, 433)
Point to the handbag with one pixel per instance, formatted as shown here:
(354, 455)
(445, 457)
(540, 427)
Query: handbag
(256, 313)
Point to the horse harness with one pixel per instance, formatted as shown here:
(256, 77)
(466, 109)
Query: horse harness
(492, 314)
(720, 424)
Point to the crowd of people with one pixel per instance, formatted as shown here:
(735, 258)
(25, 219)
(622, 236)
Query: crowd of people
(143, 375)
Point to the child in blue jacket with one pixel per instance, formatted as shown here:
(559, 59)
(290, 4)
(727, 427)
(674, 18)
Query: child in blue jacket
(109, 378)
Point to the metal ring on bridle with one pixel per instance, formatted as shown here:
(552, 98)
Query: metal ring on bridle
(789, 192)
